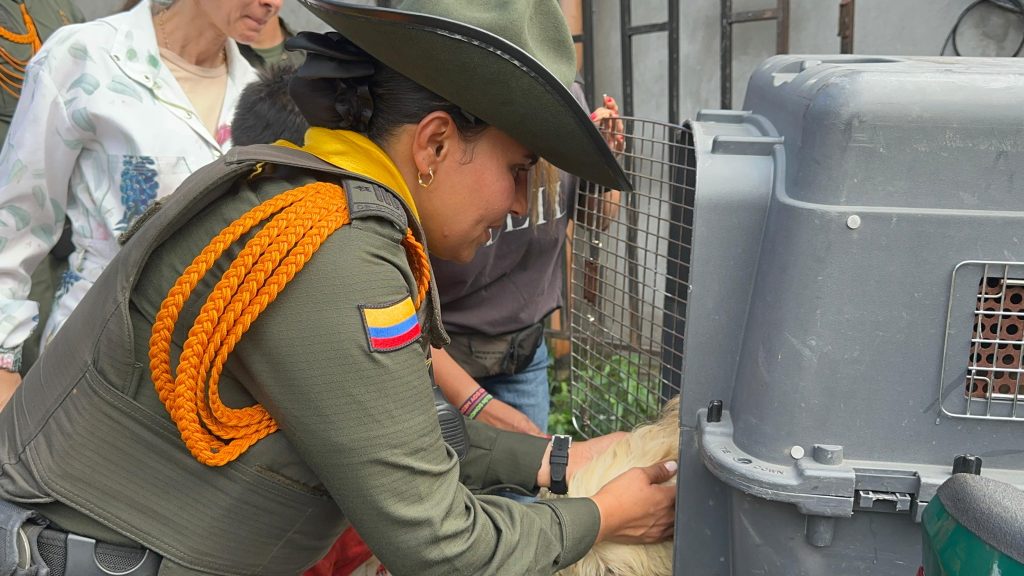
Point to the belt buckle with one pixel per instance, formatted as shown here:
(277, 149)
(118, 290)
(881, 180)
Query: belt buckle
(82, 561)
(24, 550)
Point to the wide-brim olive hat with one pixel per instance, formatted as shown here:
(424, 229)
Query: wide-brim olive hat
(507, 62)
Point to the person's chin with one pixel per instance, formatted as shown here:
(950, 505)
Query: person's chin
(462, 256)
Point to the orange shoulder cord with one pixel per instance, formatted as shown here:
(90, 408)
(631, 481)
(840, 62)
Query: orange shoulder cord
(12, 70)
(302, 218)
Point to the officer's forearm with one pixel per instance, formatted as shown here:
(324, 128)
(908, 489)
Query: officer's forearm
(580, 454)
(452, 379)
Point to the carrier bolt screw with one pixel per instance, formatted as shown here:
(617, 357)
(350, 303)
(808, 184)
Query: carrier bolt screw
(967, 464)
(797, 452)
(853, 222)
(715, 411)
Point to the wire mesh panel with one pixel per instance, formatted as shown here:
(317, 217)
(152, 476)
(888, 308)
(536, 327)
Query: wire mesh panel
(629, 281)
(992, 385)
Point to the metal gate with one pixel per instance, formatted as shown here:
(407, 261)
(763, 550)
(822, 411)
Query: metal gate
(629, 282)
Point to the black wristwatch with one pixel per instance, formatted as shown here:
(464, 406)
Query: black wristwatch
(558, 462)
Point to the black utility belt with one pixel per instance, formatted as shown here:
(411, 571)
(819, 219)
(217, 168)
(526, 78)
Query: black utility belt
(482, 355)
(30, 547)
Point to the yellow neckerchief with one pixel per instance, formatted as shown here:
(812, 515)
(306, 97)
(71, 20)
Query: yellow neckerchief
(356, 153)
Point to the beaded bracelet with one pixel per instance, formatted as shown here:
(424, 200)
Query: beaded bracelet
(480, 406)
(473, 405)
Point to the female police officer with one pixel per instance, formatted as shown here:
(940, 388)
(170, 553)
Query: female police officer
(250, 373)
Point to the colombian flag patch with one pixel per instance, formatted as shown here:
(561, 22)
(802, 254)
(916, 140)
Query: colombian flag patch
(391, 326)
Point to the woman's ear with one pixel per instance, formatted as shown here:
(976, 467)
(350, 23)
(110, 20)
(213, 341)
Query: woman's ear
(433, 140)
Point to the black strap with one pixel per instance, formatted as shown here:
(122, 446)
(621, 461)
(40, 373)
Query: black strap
(558, 462)
(73, 555)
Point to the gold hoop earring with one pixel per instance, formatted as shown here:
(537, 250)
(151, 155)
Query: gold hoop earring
(419, 178)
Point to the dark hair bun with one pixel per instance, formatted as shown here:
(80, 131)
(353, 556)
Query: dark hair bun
(331, 87)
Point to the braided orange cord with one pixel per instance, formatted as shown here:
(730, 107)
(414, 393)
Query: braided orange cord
(420, 264)
(11, 79)
(222, 421)
(31, 35)
(304, 217)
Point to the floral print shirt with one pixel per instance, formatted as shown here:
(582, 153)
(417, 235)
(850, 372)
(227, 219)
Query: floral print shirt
(101, 131)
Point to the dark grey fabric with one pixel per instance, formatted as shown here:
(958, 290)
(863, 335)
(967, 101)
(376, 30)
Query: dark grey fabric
(992, 510)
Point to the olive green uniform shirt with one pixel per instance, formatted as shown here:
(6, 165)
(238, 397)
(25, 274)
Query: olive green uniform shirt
(357, 424)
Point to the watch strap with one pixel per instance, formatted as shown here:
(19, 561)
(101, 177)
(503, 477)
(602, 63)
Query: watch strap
(559, 462)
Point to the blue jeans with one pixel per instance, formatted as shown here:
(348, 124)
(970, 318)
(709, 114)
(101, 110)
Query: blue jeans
(526, 391)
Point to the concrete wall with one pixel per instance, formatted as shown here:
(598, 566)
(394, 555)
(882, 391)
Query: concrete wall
(881, 27)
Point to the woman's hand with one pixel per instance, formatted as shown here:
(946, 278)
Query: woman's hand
(636, 508)
(607, 119)
(601, 210)
(501, 415)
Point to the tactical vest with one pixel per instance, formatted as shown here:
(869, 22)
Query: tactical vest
(71, 435)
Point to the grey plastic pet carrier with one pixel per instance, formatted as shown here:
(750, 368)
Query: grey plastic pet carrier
(834, 280)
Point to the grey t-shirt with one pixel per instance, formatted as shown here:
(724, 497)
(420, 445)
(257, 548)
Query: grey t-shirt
(516, 279)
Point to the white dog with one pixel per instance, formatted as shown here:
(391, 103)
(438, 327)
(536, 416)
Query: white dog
(644, 446)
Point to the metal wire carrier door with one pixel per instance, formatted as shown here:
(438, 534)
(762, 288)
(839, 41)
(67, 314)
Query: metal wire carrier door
(628, 283)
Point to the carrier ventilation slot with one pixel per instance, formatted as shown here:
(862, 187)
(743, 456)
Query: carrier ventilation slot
(994, 370)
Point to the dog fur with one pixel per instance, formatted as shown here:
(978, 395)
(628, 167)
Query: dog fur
(650, 443)
(644, 446)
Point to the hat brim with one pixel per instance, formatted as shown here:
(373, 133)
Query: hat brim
(485, 75)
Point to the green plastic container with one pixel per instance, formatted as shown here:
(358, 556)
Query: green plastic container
(950, 548)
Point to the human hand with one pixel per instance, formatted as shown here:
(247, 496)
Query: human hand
(636, 508)
(602, 209)
(607, 119)
(501, 415)
(9, 382)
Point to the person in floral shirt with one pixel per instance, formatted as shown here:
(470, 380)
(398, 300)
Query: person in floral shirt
(114, 114)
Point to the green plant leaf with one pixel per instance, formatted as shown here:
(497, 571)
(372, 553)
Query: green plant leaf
(124, 88)
(86, 83)
(82, 119)
(79, 51)
(39, 195)
(58, 210)
(44, 232)
(17, 171)
(20, 216)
